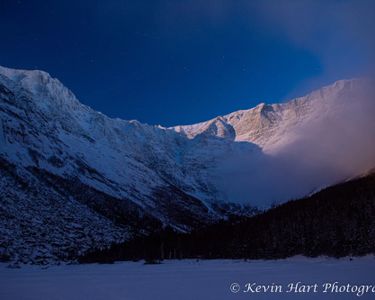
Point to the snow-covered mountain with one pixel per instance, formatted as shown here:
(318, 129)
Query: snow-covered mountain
(73, 178)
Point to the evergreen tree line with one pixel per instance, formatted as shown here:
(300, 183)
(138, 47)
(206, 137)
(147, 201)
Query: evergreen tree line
(337, 221)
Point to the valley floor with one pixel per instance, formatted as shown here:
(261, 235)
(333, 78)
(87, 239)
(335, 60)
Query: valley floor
(187, 279)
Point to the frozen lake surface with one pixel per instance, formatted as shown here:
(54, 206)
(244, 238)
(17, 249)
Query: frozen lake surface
(189, 279)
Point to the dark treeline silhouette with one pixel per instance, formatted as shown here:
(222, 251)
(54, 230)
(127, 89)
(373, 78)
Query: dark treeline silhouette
(337, 221)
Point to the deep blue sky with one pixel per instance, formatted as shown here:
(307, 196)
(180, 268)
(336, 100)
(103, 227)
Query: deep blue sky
(179, 62)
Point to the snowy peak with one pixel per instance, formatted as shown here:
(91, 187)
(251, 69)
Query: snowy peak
(265, 123)
(41, 85)
(218, 127)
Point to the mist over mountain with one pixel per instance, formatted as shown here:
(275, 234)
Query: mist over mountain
(306, 143)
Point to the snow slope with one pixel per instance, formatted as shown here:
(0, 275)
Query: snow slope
(43, 125)
(185, 279)
(115, 177)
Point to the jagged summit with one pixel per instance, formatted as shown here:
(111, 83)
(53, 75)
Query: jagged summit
(20, 74)
(42, 85)
(264, 123)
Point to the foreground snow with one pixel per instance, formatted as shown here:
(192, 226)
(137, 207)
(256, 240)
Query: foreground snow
(187, 279)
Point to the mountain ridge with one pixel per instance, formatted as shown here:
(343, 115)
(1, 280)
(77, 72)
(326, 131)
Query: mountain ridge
(268, 113)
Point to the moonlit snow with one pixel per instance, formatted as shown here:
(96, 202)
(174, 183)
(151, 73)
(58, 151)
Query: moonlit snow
(185, 280)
